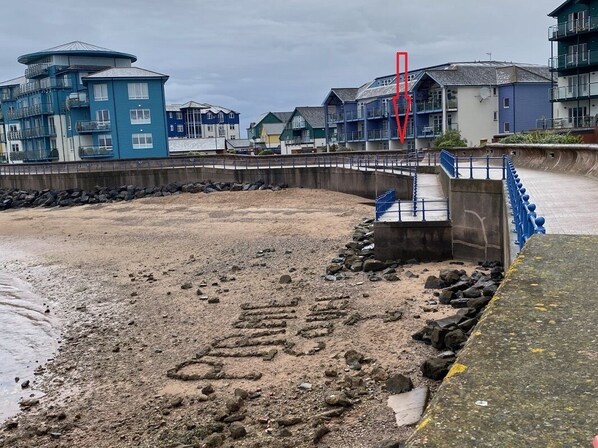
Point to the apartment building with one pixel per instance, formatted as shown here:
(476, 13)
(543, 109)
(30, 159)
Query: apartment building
(201, 120)
(79, 101)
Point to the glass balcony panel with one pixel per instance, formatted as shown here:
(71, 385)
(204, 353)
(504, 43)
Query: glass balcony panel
(95, 152)
(84, 127)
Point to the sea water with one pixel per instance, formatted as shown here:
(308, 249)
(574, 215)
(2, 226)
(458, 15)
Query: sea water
(27, 341)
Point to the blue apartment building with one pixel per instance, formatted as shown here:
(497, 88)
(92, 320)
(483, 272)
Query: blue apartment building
(200, 120)
(482, 100)
(78, 101)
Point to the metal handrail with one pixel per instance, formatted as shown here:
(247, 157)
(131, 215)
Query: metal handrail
(384, 202)
(525, 219)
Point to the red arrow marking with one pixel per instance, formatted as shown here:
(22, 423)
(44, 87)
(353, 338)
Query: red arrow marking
(402, 57)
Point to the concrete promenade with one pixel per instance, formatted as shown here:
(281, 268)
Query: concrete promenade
(528, 375)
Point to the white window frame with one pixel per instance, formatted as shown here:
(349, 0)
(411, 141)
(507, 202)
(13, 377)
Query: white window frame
(14, 147)
(138, 91)
(140, 116)
(506, 102)
(179, 115)
(172, 128)
(103, 116)
(180, 128)
(506, 127)
(105, 140)
(231, 115)
(100, 92)
(143, 140)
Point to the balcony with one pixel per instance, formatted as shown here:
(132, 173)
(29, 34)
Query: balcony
(570, 61)
(566, 93)
(394, 134)
(298, 124)
(40, 132)
(14, 135)
(572, 28)
(77, 101)
(89, 127)
(31, 111)
(336, 118)
(39, 155)
(352, 115)
(378, 134)
(429, 131)
(43, 84)
(587, 121)
(95, 152)
(35, 70)
(427, 106)
(374, 113)
(299, 140)
(356, 136)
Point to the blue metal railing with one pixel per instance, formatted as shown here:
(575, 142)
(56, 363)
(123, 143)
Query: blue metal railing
(384, 202)
(471, 167)
(526, 222)
(414, 194)
(427, 210)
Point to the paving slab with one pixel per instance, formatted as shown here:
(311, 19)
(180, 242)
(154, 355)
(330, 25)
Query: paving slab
(528, 376)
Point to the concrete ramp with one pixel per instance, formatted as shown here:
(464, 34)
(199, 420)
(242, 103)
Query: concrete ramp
(528, 376)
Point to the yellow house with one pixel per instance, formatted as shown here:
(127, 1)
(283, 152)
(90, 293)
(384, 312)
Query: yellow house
(271, 134)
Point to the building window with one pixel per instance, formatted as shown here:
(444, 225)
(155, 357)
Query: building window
(140, 116)
(105, 141)
(231, 115)
(103, 116)
(209, 128)
(169, 114)
(100, 92)
(13, 128)
(180, 128)
(506, 127)
(138, 91)
(495, 116)
(221, 117)
(143, 141)
(179, 115)
(494, 91)
(221, 132)
(506, 103)
(172, 128)
(210, 116)
(15, 147)
(231, 127)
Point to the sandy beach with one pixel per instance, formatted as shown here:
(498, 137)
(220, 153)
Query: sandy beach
(143, 288)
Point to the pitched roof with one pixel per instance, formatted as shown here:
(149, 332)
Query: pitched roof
(173, 108)
(487, 73)
(194, 105)
(282, 116)
(14, 82)
(74, 48)
(346, 93)
(556, 12)
(273, 128)
(238, 143)
(313, 115)
(515, 74)
(126, 72)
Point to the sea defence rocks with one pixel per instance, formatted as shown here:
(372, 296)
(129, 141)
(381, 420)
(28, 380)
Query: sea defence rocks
(12, 198)
(470, 294)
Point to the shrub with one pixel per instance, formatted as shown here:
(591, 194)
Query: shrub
(450, 139)
(536, 137)
(265, 152)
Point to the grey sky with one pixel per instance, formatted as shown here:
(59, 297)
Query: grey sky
(259, 55)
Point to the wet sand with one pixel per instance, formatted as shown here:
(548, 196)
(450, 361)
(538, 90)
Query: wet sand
(116, 276)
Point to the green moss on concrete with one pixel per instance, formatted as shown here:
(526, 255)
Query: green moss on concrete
(528, 376)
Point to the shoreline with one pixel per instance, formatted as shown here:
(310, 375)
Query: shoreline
(128, 320)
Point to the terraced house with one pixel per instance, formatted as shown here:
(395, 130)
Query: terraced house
(78, 101)
(201, 120)
(574, 61)
(482, 100)
(305, 131)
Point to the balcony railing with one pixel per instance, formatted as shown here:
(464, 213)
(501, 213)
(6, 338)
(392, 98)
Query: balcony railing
(572, 27)
(586, 121)
(352, 115)
(378, 134)
(43, 84)
(39, 132)
(80, 100)
(566, 93)
(37, 70)
(39, 155)
(573, 60)
(375, 113)
(298, 124)
(336, 118)
(424, 106)
(394, 133)
(38, 109)
(356, 136)
(299, 140)
(95, 152)
(85, 127)
(429, 131)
